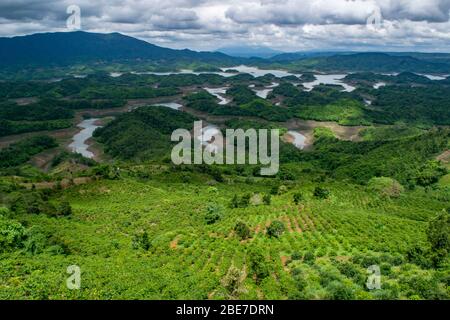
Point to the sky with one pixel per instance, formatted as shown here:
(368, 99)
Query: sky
(286, 25)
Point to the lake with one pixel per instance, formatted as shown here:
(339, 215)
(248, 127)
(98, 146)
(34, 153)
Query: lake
(299, 140)
(333, 79)
(171, 105)
(263, 93)
(219, 94)
(78, 144)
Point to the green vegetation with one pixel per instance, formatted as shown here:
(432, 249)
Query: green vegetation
(143, 133)
(142, 228)
(20, 152)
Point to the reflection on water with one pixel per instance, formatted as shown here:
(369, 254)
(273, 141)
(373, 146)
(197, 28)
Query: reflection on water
(333, 79)
(78, 144)
(299, 140)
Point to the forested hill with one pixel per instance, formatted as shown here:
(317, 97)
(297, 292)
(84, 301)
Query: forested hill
(64, 48)
(45, 50)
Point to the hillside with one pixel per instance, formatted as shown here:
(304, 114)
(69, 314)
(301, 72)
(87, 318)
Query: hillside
(65, 48)
(380, 62)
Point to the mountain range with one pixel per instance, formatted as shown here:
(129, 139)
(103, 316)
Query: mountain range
(69, 48)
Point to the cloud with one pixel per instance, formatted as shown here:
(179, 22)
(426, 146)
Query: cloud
(288, 25)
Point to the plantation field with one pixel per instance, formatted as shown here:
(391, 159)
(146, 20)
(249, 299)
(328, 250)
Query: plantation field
(146, 238)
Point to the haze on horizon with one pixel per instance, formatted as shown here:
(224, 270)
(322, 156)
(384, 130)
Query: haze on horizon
(284, 25)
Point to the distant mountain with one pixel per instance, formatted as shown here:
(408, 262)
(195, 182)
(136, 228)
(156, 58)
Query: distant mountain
(291, 56)
(63, 48)
(378, 62)
(249, 51)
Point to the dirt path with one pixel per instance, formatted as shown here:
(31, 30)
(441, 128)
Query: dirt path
(444, 157)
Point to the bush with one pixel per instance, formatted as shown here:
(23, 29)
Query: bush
(141, 241)
(11, 234)
(309, 257)
(321, 193)
(386, 187)
(274, 190)
(234, 202)
(267, 199)
(298, 197)
(258, 264)
(64, 209)
(340, 291)
(419, 256)
(242, 230)
(245, 200)
(438, 236)
(213, 213)
(276, 229)
(296, 256)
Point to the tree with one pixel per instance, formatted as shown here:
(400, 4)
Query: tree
(340, 291)
(142, 241)
(298, 197)
(11, 234)
(233, 282)
(321, 193)
(385, 187)
(242, 230)
(213, 213)
(258, 264)
(64, 209)
(276, 229)
(438, 236)
(245, 200)
(234, 202)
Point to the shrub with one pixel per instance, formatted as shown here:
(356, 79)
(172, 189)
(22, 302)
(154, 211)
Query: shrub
(258, 264)
(419, 256)
(234, 202)
(213, 213)
(245, 200)
(267, 199)
(296, 256)
(141, 241)
(64, 209)
(386, 187)
(242, 230)
(438, 236)
(12, 234)
(340, 291)
(274, 190)
(276, 229)
(309, 257)
(298, 197)
(233, 282)
(321, 193)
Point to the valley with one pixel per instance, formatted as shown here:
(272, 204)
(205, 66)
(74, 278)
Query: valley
(87, 178)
